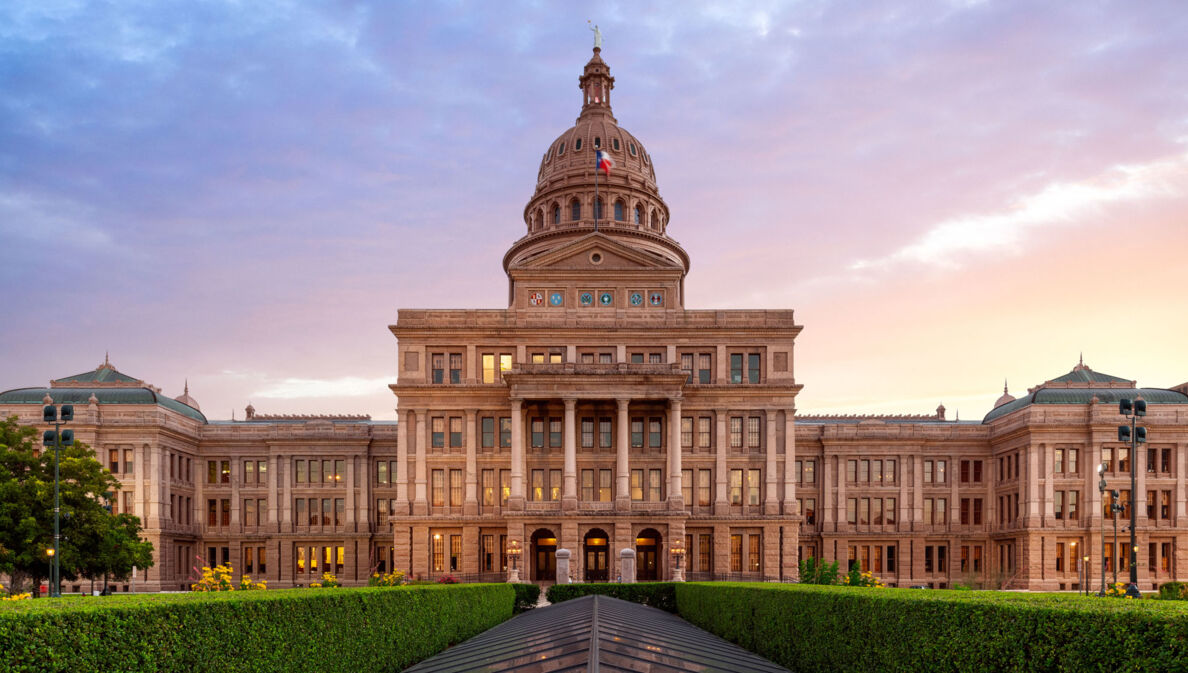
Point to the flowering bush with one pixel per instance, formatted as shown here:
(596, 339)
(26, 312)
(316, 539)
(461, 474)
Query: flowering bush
(328, 581)
(857, 578)
(392, 579)
(217, 578)
(246, 584)
(447, 579)
(1118, 590)
(14, 597)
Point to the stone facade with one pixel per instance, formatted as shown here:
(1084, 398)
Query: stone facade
(597, 414)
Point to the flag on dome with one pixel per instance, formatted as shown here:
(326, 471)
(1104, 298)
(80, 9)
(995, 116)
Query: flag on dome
(603, 162)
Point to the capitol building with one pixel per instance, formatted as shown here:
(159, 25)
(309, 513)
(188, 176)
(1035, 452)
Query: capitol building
(595, 413)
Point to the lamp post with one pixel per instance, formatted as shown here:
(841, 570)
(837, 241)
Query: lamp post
(57, 438)
(1087, 580)
(678, 552)
(1135, 435)
(513, 553)
(49, 554)
(1101, 487)
(1072, 554)
(1115, 508)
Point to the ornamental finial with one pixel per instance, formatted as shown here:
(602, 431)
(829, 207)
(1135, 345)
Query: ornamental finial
(597, 35)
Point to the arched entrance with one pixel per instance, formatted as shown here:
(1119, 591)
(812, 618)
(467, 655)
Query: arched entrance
(544, 556)
(648, 546)
(596, 546)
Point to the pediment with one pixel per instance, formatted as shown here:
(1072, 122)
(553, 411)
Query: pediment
(596, 252)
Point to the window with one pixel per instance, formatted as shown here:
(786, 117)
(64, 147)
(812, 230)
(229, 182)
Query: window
(437, 367)
(1123, 460)
(437, 432)
(437, 486)
(249, 512)
(575, 209)
(455, 432)
(703, 488)
(753, 481)
(736, 368)
(587, 433)
(1165, 505)
(487, 432)
(736, 440)
(556, 214)
(928, 472)
(537, 433)
(577, 144)
(620, 214)
(113, 456)
(852, 510)
(687, 432)
(225, 471)
(598, 208)
(889, 511)
(637, 477)
(637, 433)
(1058, 466)
(604, 433)
(554, 484)
(504, 487)
(494, 364)
(1073, 497)
(604, 486)
(587, 485)
(888, 471)
(488, 486)
(1107, 459)
(637, 215)
(703, 432)
(1165, 460)
(736, 553)
(455, 488)
(1073, 456)
(538, 486)
(736, 485)
(225, 512)
(299, 471)
(655, 488)
(1058, 504)
(455, 368)
(129, 462)
(754, 553)
(654, 433)
(753, 368)
(752, 432)
(809, 509)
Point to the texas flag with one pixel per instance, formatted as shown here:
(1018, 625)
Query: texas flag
(603, 162)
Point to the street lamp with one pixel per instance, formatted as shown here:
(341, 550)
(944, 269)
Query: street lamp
(1072, 553)
(678, 552)
(1135, 435)
(49, 554)
(1101, 487)
(1086, 565)
(513, 553)
(57, 438)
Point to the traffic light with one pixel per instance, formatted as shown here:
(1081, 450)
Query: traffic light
(67, 413)
(1140, 435)
(1125, 407)
(67, 438)
(49, 414)
(1140, 408)
(1124, 433)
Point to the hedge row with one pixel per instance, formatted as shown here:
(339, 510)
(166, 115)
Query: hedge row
(819, 628)
(527, 595)
(660, 595)
(365, 629)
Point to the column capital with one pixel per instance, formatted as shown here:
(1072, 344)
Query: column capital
(471, 413)
(623, 402)
(675, 402)
(570, 403)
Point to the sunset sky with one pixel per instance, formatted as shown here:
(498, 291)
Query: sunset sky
(948, 194)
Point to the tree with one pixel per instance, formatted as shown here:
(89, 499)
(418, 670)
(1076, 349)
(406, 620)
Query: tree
(87, 527)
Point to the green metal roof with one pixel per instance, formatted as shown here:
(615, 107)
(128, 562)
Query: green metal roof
(1084, 395)
(1083, 374)
(104, 395)
(102, 374)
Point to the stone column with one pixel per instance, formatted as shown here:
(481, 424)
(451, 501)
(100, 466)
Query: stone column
(421, 503)
(273, 504)
(569, 499)
(470, 503)
(771, 499)
(143, 479)
(790, 463)
(364, 498)
(1031, 510)
(1047, 460)
(675, 495)
(236, 478)
(516, 500)
(401, 476)
(622, 468)
(720, 502)
(166, 484)
(154, 503)
(826, 515)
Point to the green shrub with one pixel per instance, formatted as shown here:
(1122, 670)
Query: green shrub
(1173, 591)
(364, 629)
(819, 628)
(817, 571)
(653, 594)
(527, 596)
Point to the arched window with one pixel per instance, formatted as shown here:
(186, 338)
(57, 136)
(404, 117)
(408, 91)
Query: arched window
(556, 213)
(575, 210)
(539, 219)
(638, 214)
(619, 214)
(561, 149)
(598, 208)
(615, 144)
(631, 146)
(577, 144)
(652, 219)
(597, 142)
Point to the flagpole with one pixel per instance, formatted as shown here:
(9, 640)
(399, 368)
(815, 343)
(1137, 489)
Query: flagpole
(596, 190)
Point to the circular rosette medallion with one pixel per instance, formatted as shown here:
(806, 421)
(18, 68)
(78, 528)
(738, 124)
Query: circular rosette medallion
(636, 299)
(656, 299)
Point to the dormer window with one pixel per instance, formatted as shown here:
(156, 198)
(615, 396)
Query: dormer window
(615, 144)
(577, 144)
(561, 149)
(631, 146)
(597, 142)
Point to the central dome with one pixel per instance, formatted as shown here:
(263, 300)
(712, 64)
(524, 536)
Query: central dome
(565, 186)
(573, 197)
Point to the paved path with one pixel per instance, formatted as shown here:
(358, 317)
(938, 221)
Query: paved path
(596, 633)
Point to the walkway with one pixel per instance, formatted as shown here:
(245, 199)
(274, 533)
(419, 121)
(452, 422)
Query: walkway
(596, 633)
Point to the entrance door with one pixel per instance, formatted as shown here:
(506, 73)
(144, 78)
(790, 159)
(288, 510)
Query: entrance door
(647, 548)
(597, 556)
(544, 547)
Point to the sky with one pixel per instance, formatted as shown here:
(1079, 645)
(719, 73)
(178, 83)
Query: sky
(950, 195)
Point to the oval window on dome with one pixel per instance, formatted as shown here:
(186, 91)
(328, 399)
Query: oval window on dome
(597, 142)
(561, 149)
(577, 144)
(631, 146)
(615, 144)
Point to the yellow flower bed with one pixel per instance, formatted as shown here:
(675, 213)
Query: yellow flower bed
(14, 597)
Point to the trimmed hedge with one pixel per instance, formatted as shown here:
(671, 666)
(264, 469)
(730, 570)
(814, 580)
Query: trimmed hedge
(822, 628)
(364, 629)
(660, 595)
(527, 596)
(1173, 591)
